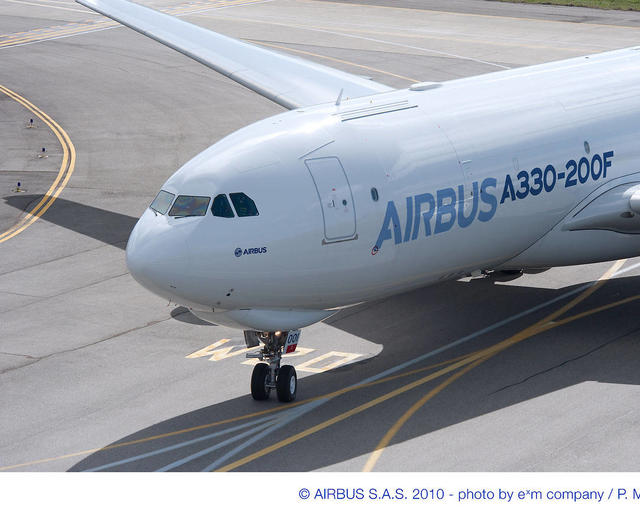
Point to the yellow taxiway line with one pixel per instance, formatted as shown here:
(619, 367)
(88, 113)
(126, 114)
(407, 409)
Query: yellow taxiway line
(234, 419)
(464, 363)
(347, 32)
(85, 27)
(333, 59)
(470, 361)
(62, 178)
(540, 326)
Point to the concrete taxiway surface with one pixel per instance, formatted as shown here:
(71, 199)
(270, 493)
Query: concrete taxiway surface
(98, 374)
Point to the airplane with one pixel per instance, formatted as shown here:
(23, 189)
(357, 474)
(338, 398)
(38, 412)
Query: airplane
(359, 191)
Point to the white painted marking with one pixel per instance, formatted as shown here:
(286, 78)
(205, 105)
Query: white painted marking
(215, 447)
(52, 7)
(266, 420)
(63, 2)
(59, 37)
(218, 354)
(391, 43)
(303, 409)
(296, 412)
(89, 30)
(301, 351)
(292, 415)
(343, 358)
(625, 270)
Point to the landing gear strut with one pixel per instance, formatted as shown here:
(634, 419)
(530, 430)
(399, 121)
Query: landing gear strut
(270, 375)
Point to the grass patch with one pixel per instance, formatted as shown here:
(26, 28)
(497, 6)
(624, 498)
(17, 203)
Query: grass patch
(621, 5)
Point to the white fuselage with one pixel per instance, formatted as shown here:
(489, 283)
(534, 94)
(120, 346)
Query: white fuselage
(474, 174)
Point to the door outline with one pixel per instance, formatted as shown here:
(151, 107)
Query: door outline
(353, 235)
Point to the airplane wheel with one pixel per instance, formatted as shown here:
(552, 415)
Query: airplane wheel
(287, 384)
(259, 380)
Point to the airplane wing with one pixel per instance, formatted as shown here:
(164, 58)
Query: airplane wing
(289, 81)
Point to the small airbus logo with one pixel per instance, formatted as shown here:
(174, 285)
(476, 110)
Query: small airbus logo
(253, 250)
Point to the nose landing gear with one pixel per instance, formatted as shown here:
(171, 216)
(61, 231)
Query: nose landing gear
(270, 375)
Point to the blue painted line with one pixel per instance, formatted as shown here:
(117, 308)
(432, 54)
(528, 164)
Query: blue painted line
(180, 445)
(210, 449)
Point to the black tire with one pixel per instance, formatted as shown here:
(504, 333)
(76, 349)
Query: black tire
(259, 379)
(287, 384)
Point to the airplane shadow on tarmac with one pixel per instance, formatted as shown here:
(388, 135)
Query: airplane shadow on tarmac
(601, 347)
(106, 226)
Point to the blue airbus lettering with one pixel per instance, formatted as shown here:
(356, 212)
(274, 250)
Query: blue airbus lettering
(439, 212)
(253, 250)
(578, 171)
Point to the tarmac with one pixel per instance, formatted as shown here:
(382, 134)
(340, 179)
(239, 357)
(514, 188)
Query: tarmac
(97, 374)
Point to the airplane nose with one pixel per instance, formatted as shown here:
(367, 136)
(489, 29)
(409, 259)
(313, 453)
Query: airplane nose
(157, 254)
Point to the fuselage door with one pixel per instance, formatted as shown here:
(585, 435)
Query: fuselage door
(336, 199)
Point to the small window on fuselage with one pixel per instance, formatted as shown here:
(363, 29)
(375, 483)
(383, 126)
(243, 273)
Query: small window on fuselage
(244, 205)
(189, 206)
(162, 202)
(221, 207)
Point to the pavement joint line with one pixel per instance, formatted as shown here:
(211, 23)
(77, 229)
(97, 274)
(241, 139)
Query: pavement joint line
(490, 352)
(84, 251)
(567, 361)
(95, 26)
(528, 332)
(427, 50)
(377, 452)
(227, 420)
(300, 411)
(87, 345)
(490, 16)
(586, 290)
(381, 41)
(28, 363)
(383, 377)
(414, 35)
(365, 383)
(46, 6)
(30, 172)
(18, 355)
(61, 2)
(65, 292)
(327, 423)
(333, 59)
(23, 295)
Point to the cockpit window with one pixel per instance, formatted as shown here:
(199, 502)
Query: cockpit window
(189, 206)
(244, 205)
(221, 207)
(162, 202)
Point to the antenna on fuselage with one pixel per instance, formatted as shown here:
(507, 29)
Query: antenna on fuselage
(339, 97)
